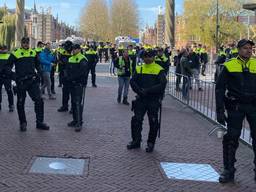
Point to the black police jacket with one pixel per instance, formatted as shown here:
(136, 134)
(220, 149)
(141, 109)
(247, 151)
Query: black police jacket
(149, 81)
(237, 80)
(77, 69)
(92, 57)
(3, 62)
(26, 63)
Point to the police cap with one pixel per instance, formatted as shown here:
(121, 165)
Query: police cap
(76, 46)
(149, 53)
(25, 40)
(243, 42)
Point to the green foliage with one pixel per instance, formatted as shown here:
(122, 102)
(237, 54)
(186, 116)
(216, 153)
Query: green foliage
(200, 18)
(7, 29)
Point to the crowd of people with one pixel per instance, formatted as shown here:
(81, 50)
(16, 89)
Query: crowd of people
(145, 69)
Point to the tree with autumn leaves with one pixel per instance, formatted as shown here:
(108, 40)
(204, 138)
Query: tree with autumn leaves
(200, 21)
(101, 23)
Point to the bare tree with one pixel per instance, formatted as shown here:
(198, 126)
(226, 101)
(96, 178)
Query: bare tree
(124, 18)
(94, 21)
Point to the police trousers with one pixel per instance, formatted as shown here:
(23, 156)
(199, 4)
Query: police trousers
(77, 96)
(141, 107)
(8, 87)
(236, 115)
(92, 69)
(32, 87)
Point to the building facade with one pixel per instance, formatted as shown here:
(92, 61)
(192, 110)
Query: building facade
(45, 27)
(160, 30)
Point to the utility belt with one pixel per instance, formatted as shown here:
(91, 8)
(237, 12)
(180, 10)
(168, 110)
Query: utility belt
(232, 102)
(28, 77)
(139, 99)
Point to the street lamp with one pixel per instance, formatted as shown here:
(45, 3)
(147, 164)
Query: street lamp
(217, 27)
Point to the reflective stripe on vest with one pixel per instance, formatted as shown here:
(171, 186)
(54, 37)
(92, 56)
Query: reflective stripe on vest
(236, 65)
(149, 69)
(91, 52)
(20, 53)
(121, 64)
(4, 56)
(76, 59)
(163, 58)
(63, 52)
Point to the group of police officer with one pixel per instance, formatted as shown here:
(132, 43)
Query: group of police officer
(235, 92)
(74, 69)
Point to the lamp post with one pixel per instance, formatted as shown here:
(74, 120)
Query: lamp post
(217, 27)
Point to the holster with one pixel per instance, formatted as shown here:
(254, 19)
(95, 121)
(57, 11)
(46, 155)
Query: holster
(231, 103)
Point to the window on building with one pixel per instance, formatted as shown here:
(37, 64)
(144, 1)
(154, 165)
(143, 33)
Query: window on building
(34, 20)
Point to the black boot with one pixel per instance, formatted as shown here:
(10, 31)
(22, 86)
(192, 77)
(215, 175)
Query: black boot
(229, 152)
(11, 108)
(150, 147)
(62, 109)
(78, 127)
(125, 102)
(72, 123)
(119, 99)
(227, 176)
(23, 127)
(42, 126)
(133, 145)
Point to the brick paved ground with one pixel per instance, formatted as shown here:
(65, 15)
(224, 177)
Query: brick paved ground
(104, 137)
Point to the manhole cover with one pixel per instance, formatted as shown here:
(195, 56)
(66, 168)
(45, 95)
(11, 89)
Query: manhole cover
(65, 166)
(187, 171)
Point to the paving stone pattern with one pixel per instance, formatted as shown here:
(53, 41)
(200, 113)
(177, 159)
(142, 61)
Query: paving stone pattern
(112, 168)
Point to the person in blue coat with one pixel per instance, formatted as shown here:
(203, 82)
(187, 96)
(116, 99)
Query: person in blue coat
(47, 60)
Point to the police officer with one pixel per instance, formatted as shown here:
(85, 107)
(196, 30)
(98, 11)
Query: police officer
(77, 70)
(133, 57)
(221, 58)
(4, 79)
(93, 59)
(64, 55)
(204, 59)
(148, 82)
(236, 92)
(100, 50)
(233, 51)
(27, 77)
(162, 60)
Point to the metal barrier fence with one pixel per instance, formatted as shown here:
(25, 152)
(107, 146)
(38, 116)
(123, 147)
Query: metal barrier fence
(200, 96)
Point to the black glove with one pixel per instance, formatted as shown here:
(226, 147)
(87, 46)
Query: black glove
(142, 92)
(221, 118)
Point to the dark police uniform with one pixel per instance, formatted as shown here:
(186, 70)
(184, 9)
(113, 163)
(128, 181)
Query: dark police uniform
(148, 82)
(27, 80)
(163, 62)
(77, 75)
(63, 57)
(236, 90)
(93, 59)
(5, 80)
(132, 55)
